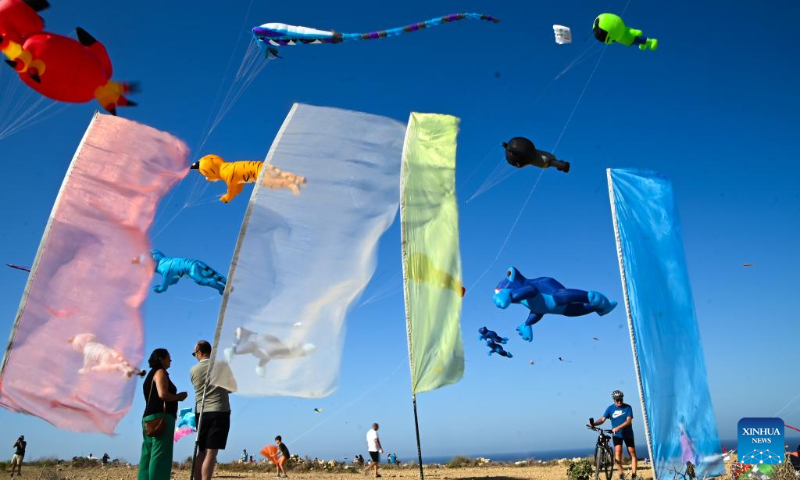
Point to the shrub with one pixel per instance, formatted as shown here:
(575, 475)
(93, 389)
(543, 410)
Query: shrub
(461, 461)
(50, 474)
(81, 462)
(785, 471)
(580, 470)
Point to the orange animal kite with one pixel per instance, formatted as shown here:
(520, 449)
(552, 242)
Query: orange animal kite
(237, 174)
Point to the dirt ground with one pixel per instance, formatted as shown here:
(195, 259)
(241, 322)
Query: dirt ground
(497, 472)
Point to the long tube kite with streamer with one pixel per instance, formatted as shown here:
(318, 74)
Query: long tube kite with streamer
(272, 35)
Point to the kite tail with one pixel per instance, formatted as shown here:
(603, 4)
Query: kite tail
(392, 32)
(209, 272)
(180, 433)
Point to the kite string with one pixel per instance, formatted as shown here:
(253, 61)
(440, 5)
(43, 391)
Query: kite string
(530, 194)
(626, 8)
(350, 403)
(25, 121)
(252, 65)
(580, 58)
(502, 171)
(383, 288)
(193, 195)
(513, 226)
(786, 406)
(575, 108)
(225, 75)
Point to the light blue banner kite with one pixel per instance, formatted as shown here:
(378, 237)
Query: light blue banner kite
(679, 420)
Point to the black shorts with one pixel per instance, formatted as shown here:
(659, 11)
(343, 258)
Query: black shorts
(628, 441)
(214, 427)
(375, 456)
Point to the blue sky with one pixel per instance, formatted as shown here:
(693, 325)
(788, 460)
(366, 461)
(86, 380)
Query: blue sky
(715, 109)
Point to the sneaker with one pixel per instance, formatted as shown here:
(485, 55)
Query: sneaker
(634, 477)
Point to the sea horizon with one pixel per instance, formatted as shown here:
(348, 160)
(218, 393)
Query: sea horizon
(548, 455)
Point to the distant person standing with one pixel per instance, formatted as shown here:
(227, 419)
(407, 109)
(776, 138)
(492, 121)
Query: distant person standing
(19, 455)
(106, 458)
(282, 458)
(375, 449)
(621, 416)
(216, 416)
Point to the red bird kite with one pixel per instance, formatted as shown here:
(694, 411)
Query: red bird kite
(56, 66)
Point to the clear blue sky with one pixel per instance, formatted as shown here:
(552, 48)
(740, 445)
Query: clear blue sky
(715, 108)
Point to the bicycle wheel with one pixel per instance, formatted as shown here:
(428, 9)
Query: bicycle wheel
(599, 463)
(604, 460)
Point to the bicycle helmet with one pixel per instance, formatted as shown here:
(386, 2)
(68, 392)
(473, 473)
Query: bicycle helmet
(616, 394)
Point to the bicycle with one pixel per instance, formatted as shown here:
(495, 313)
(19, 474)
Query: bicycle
(603, 455)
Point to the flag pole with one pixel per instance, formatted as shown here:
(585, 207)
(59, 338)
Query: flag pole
(419, 446)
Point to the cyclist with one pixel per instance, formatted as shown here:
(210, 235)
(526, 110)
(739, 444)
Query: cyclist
(621, 416)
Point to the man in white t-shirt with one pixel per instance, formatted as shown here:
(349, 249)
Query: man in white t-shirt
(375, 449)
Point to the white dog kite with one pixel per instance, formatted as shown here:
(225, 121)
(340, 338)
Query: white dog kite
(265, 348)
(101, 358)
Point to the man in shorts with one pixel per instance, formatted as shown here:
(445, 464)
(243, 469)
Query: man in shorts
(375, 449)
(215, 421)
(19, 455)
(621, 415)
(283, 457)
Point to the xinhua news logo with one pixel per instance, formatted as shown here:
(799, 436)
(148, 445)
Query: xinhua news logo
(760, 441)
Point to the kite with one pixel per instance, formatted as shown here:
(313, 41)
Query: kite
(17, 267)
(265, 348)
(546, 295)
(101, 358)
(563, 34)
(19, 20)
(688, 453)
(521, 152)
(272, 35)
(237, 174)
(487, 334)
(609, 28)
(56, 66)
(172, 269)
(271, 452)
(793, 428)
(744, 265)
(318, 410)
(497, 348)
(186, 423)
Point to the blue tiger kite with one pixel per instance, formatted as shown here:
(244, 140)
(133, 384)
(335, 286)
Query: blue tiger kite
(172, 269)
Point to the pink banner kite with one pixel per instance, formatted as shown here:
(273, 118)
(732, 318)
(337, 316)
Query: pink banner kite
(76, 346)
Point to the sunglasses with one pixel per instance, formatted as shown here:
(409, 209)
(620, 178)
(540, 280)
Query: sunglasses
(194, 354)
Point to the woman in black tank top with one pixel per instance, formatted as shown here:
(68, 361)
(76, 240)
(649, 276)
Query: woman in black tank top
(161, 400)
